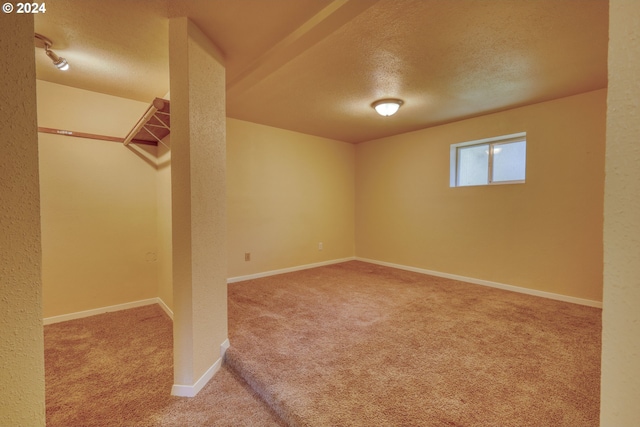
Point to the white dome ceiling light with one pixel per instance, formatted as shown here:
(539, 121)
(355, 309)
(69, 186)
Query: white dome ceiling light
(387, 107)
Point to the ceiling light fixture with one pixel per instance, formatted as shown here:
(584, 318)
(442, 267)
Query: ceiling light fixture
(387, 107)
(45, 43)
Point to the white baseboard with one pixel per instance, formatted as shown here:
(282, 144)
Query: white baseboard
(287, 270)
(223, 347)
(550, 295)
(108, 309)
(165, 307)
(192, 390)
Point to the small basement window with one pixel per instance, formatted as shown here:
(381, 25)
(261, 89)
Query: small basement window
(498, 160)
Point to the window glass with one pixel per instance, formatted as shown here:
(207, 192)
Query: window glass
(509, 161)
(473, 165)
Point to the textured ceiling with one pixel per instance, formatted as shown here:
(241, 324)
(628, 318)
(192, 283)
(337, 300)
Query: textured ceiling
(315, 66)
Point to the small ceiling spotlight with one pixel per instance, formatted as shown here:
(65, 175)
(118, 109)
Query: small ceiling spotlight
(387, 107)
(45, 43)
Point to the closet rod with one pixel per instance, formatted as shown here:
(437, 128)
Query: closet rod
(87, 135)
(79, 134)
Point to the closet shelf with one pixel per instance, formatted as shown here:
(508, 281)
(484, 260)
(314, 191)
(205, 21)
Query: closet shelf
(154, 125)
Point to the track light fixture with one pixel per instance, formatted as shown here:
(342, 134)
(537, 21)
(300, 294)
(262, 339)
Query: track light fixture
(44, 43)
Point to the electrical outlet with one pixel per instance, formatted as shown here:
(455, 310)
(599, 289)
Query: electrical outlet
(320, 246)
(247, 256)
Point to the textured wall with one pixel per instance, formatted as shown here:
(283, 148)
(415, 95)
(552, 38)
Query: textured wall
(21, 340)
(98, 203)
(165, 270)
(198, 183)
(621, 308)
(545, 234)
(287, 192)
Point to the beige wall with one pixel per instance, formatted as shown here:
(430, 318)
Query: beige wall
(287, 192)
(98, 203)
(22, 399)
(620, 392)
(545, 234)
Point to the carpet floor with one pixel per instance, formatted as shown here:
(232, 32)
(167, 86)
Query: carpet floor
(351, 344)
(116, 369)
(357, 344)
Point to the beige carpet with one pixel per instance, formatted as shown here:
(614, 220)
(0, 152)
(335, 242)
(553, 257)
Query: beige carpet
(352, 344)
(116, 369)
(357, 344)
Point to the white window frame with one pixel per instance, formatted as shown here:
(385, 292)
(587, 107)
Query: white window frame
(491, 142)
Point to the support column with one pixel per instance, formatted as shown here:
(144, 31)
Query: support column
(620, 385)
(21, 339)
(198, 203)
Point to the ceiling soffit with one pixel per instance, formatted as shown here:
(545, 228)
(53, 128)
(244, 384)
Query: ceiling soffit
(446, 60)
